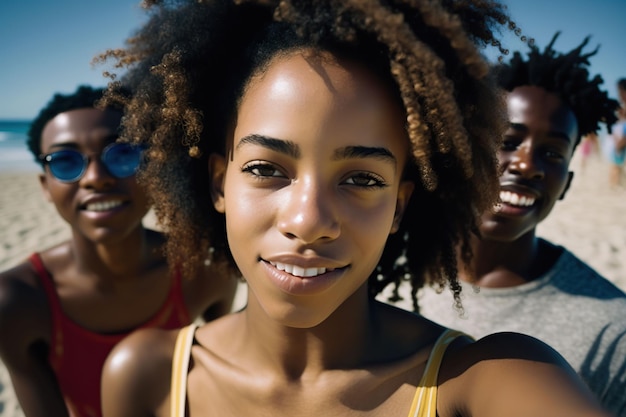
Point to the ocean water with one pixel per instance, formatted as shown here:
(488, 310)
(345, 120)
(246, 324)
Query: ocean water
(14, 153)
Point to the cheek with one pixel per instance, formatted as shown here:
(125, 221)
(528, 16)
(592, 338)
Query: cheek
(375, 216)
(62, 197)
(370, 222)
(139, 195)
(60, 194)
(558, 175)
(247, 210)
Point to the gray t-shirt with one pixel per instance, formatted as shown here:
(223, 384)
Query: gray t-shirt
(572, 308)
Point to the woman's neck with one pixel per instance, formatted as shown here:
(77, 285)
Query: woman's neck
(351, 336)
(120, 259)
(503, 264)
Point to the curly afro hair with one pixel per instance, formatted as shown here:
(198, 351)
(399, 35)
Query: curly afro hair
(190, 64)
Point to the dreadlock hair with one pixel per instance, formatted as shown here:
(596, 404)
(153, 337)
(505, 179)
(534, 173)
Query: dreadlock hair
(84, 97)
(621, 87)
(567, 76)
(190, 64)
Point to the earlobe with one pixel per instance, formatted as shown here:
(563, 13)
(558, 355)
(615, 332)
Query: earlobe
(404, 195)
(43, 182)
(570, 176)
(217, 173)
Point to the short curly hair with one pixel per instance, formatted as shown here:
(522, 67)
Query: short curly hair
(84, 97)
(189, 66)
(567, 76)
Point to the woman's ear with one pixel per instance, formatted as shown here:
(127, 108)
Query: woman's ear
(43, 182)
(217, 173)
(570, 177)
(404, 195)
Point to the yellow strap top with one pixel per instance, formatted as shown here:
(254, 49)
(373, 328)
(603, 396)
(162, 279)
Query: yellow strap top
(425, 400)
(180, 367)
(424, 403)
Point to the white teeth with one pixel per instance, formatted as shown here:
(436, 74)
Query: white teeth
(516, 199)
(299, 271)
(104, 205)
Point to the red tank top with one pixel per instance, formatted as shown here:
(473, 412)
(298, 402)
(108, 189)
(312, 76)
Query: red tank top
(77, 354)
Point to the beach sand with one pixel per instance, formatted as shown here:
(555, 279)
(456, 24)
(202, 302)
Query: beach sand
(591, 222)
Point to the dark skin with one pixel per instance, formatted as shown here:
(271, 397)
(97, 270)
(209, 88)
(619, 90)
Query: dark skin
(535, 158)
(111, 276)
(322, 152)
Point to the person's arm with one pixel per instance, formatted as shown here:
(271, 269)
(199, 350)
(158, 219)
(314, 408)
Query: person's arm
(619, 135)
(518, 376)
(136, 375)
(24, 343)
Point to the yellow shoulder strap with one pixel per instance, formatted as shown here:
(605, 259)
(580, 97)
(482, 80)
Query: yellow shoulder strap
(180, 367)
(425, 400)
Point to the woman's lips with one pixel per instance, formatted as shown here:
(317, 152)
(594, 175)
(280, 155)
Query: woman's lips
(298, 280)
(300, 271)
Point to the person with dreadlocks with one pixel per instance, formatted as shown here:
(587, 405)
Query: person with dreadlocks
(525, 283)
(292, 136)
(64, 308)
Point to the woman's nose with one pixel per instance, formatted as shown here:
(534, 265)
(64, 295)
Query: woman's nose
(524, 162)
(96, 175)
(309, 214)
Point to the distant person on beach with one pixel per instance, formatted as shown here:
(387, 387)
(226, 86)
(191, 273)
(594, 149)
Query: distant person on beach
(618, 137)
(589, 145)
(300, 132)
(63, 309)
(518, 281)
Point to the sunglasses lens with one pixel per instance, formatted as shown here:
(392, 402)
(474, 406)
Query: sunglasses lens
(122, 159)
(66, 165)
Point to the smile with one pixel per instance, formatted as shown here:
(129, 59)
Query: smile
(515, 199)
(298, 271)
(103, 205)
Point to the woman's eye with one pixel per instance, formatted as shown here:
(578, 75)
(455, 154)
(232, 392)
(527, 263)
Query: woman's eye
(366, 180)
(262, 170)
(509, 144)
(555, 155)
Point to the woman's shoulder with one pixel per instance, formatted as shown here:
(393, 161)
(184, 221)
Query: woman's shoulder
(22, 288)
(500, 350)
(24, 309)
(139, 351)
(137, 372)
(512, 371)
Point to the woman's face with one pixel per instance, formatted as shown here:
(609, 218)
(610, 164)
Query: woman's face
(313, 185)
(534, 157)
(98, 206)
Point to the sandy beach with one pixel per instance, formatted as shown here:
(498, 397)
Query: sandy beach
(591, 222)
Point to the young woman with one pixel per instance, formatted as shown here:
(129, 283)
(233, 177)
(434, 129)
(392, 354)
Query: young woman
(63, 309)
(297, 135)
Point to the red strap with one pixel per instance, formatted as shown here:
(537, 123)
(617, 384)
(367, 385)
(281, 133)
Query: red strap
(49, 288)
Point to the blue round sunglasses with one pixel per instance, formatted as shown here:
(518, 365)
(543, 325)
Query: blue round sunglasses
(68, 165)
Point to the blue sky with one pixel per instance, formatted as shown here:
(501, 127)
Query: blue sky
(46, 46)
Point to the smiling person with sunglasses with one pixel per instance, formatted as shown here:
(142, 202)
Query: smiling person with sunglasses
(63, 309)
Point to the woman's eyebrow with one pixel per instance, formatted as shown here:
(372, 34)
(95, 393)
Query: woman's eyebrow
(520, 127)
(278, 145)
(71, 141)
(352, 152)
(293, 150)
